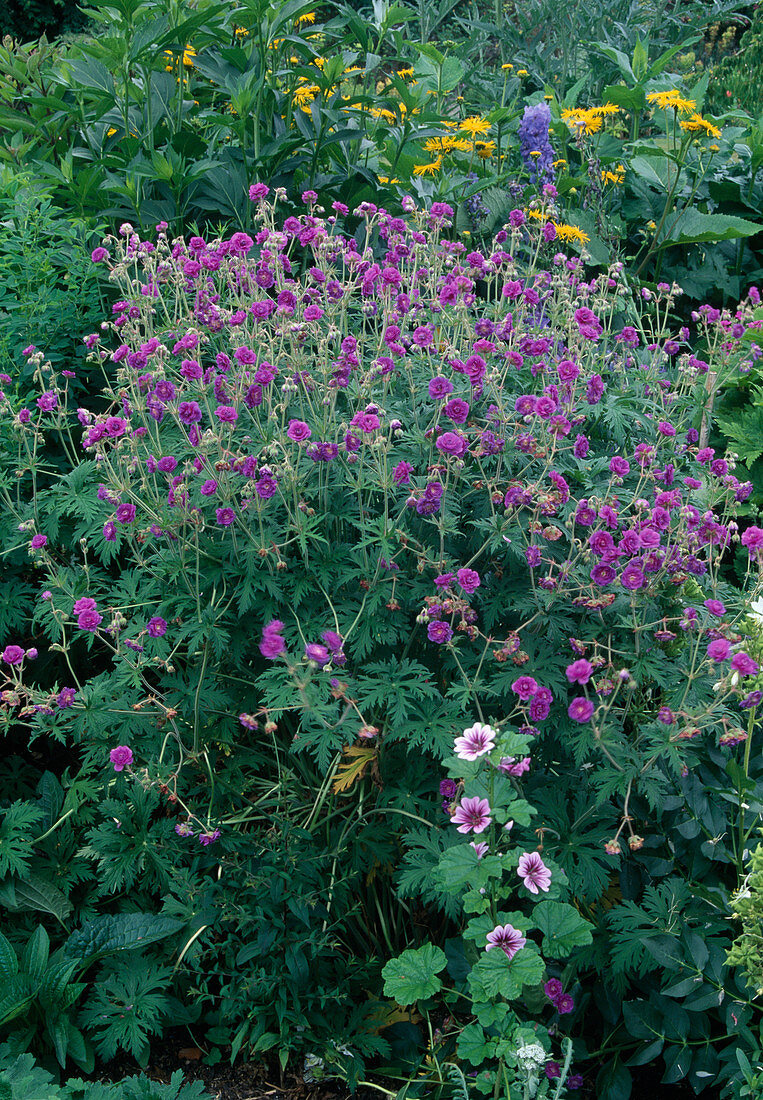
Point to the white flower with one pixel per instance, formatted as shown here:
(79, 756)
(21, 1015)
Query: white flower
(532, 1056)
(756, 609)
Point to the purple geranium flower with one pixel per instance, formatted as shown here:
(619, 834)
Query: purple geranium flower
(580, 709)
(317, 653)
(272, 642)
(189, 412)
(525, 687)
(298, 430)
(89, 620)
(468, 579)
(121, 757)
(439, 631)
(13, 655)
(744, 664)
(580, 671)
(440, 387)
(156, 627)
(719, 649)
(66, 697)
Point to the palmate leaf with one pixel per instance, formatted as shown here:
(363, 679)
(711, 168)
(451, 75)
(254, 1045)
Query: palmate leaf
(418, 877)
(350, 771)
(413, 976)
(745, 431)
(17, 831)
(495, 975)
(562, 926)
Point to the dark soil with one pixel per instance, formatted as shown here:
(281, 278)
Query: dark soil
(260, 1081)
(243, 1081)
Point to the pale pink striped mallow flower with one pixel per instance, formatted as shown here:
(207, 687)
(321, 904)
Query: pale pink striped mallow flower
(475, 742)
(472, 814)
(507, 937)
(534, 873)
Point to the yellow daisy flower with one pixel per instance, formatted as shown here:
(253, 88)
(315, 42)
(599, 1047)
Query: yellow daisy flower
(306, 17)
(606, 109)
(186, 58)
(613, 177)
(674, 99)
(484, 149)
(699, 125)
(582, 121)
(382, 112)
(571, 233)
(439, 145)
(474, 125)
(428, 169)
(305, 94)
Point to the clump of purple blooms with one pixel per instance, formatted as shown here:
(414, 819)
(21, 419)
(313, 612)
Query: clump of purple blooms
(534, 143)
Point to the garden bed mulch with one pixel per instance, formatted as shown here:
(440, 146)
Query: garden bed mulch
(258, 1081)
(243, 1081)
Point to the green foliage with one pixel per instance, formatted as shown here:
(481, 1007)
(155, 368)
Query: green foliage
(38, 993)
(413, 976)
(28, 19)
(747, 908)
(49, 290)
(15, 842)
(22, 1079)
(732, 57)
(335, 855)
(128, 1004)
(118, 932)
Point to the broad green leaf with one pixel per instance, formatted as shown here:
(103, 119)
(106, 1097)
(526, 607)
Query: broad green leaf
(562, 926)
(413, 976)
(118, 932)
(619, 58)
(15, 997)
(91, 74)
(460, 867)
(35, 892)
(9, 964)
(694, 227)
(648, 1054)
(495, 975)
(660, 171)
(474, 1046)
(452, 72)
(34, 959)
(431, 52)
